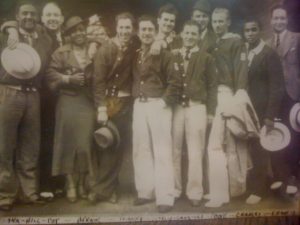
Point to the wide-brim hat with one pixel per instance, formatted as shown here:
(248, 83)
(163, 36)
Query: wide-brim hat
(107, 136)
(72, 22)
(276, 139)
(295, 117)
(22, 62)
(203, 6)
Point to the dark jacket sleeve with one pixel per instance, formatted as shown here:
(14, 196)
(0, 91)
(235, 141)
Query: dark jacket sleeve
(211, 85)
(276, 85)
(100, 74)
(173, 83)
(54, 75)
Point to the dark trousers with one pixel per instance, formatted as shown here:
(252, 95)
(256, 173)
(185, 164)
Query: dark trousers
(19, 144)
(109, 161)
(257, 179)
(291, 154)
(48, 103)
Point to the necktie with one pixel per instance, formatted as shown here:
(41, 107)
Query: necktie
(187, 54)
(277, 40)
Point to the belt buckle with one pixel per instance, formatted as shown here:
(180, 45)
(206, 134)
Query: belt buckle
(143, 99)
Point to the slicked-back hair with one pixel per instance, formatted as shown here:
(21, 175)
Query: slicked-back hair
(149, 18)
(168, 8)
(278, 6)
(20, 3)
(222, 10)
(191, 23)
(125, 15)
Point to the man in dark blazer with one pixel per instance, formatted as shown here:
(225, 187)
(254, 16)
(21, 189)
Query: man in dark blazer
(287, 45)
(112, 96)
(265, 89)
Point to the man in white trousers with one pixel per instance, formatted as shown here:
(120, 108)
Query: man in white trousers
(152, 120)
(196, 84)
(230, 56)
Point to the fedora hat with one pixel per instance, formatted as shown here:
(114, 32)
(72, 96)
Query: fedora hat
(107, 136)
(276, 139)
(295, 117)
(22, 62)
(72, 22)
(203, 6)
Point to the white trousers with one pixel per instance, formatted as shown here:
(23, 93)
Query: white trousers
(189, 123)
(217, 163)
(152, 151)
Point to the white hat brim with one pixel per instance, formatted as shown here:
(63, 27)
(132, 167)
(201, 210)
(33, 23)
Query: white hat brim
(270, 143)
(293, 117)
(25, 49)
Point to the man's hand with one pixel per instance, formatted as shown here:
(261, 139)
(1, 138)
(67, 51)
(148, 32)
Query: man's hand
(77, 79)
(269, 125)
(157, 47)
(13, 38)
(210, 119)
(102, 117)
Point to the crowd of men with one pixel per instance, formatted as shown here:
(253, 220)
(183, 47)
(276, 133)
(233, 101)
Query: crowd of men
(158, 93)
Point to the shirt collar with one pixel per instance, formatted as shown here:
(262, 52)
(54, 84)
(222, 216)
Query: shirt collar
(258, 48)
(192, 50)
(121, 47)
(281, 35)
(33, 35)
(203, 34)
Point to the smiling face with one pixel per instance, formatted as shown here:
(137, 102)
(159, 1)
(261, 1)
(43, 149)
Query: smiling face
(201, 18)
(78, 35)
(190, 36)
(52, 17)
(252, 32)
(220, 23)
(279, 20)
(124, 30)
(27, 17)
(166, 23)
(146, 32)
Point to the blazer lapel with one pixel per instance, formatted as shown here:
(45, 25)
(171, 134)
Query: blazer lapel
(256, 62)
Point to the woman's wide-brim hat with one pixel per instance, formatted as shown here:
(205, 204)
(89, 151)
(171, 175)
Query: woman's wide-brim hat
(22, 62)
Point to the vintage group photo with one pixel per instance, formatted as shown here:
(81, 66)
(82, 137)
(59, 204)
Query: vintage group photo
(158, 107)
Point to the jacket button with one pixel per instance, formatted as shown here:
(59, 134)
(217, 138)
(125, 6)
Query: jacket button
(117, 75)
(184, 85)
(183, 75)
(184, 96)
(142, 82)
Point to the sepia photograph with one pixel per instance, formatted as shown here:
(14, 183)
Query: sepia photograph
(118, 111)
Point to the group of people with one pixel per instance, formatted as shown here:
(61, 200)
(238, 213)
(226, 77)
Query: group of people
(159, 93)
